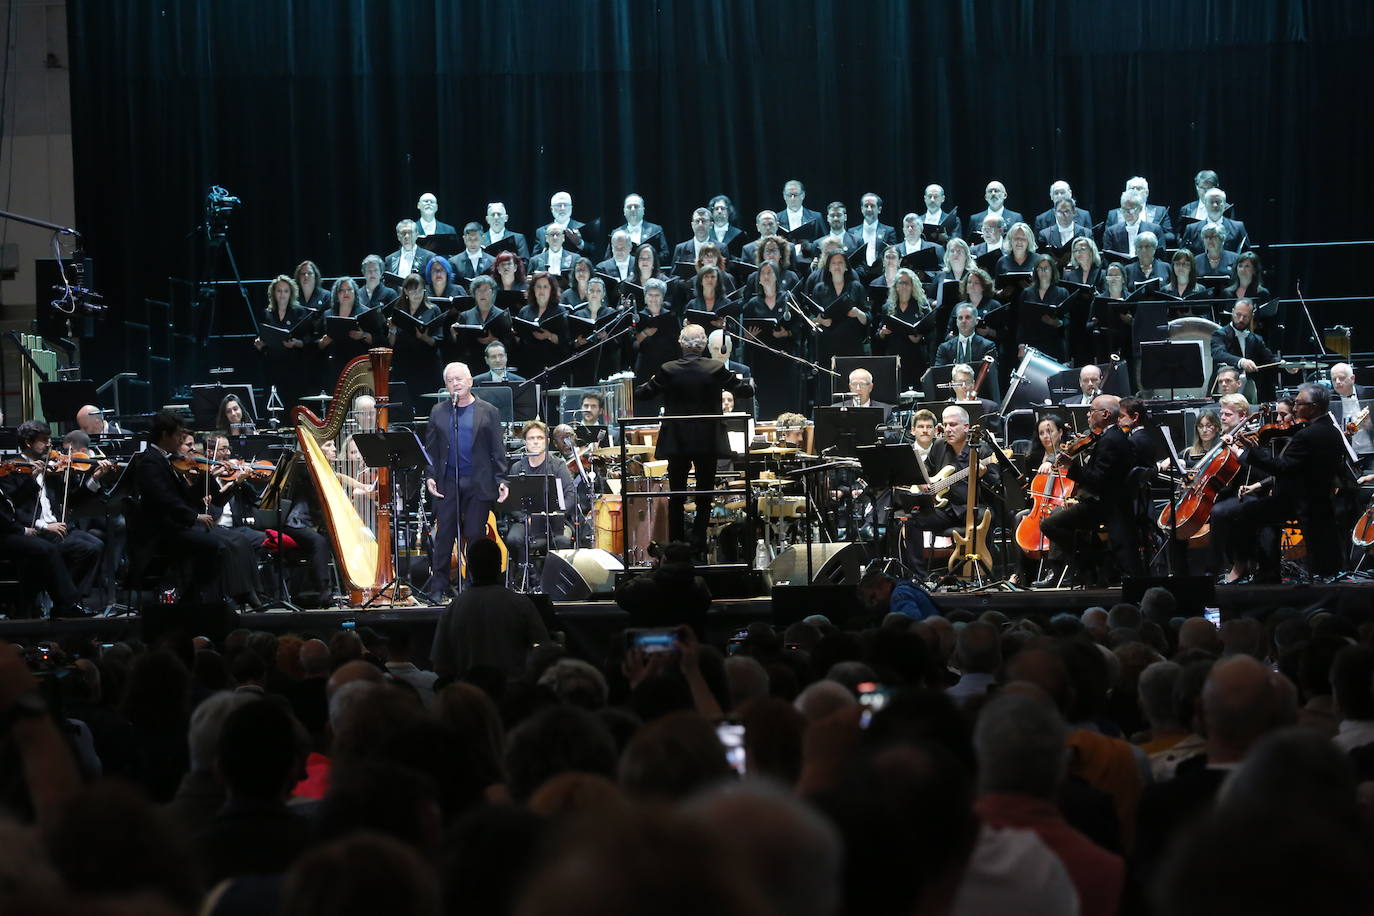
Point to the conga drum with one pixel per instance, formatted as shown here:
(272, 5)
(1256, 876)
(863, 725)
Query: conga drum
(609, 521)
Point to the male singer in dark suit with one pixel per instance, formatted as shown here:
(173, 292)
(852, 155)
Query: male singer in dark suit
(951, 226)
(1060, 190)
(640, 230)
(969, 348)
(795, 214)
(1305, 474)
(472, 260)
(428, 224)
(560, 208)
(409, 258)
(996, 196)
(497, 231)
(1214, 204)
(467, 471)
(691, 386)
(1239, 345)
(1150, 213)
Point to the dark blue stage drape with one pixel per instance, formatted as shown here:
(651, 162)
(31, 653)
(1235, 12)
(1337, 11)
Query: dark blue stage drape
(329, 117)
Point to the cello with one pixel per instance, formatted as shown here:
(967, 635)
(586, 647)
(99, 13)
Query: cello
(1049, 492)
(1216, 471)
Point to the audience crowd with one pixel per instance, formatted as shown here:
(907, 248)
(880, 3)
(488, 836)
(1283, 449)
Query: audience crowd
(1125, 760)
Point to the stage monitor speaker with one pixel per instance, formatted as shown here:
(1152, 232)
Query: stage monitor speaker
(1191, 593)
(831, 564)
(572, 575)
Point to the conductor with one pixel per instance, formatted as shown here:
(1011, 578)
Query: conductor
(467, 472)
(691, 386)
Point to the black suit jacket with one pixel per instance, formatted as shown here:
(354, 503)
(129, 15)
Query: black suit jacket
(808, 216)
(1106, 471)
(1114, 238)
(948, 351)
(1049, 236)
(684, 251)
(1226, 347)
(1045, 220)
(1235, 236)
(489, 465)
(734, 238)
(383, 296)
(692, 386)
(420, 266)
(522, 247)
(439, 229)
(975, 223)
(1158, 215)
(650, 233)
(462, 265)
(1307, 470)
(950, 225)
(162, 504)
(582, 248)
(541, 262)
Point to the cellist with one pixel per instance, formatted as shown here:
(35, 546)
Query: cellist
(1234, 409)
(1048, 487)
(1105, 494)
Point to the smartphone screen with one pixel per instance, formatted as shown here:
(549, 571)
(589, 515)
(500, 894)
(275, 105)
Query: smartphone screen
(651, 641)
(731, 735)
(872, 697)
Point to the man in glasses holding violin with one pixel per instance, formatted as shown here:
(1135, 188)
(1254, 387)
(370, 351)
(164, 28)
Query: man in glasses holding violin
(1305, 474)
(1100, 464)
(37, 492)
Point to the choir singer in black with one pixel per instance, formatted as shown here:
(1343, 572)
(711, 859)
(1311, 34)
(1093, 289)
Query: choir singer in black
(691, 386)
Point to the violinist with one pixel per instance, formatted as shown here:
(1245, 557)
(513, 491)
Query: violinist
(172, 515)
(35, 520)
(232, 496)
(1305, 475)
(1101, 473)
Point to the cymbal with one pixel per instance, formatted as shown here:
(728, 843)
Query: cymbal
(774, 450)
(322, 398)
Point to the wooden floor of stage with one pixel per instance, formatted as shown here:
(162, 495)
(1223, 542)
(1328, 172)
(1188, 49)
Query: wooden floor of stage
(1354, 599)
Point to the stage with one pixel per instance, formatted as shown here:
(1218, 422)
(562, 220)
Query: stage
(589, 626)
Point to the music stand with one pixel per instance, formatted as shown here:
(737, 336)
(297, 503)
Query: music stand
(533, 495)
(499, 396)
(844, 428)
(524, 397)
(398, 450)
(1171, 364)
(935, 381)
(64, 399)
(268, 513)
(889, 466)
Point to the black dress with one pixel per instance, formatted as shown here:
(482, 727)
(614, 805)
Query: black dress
(848, 336)
(915, 357)
(288, 369)
(535, 355)
(607, 359)
(653, 352)
(777, 379)
(1051, 341)
(416, 363)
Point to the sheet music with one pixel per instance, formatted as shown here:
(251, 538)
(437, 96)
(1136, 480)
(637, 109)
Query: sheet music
(1174, 460)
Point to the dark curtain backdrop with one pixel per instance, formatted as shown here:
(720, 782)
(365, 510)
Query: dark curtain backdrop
(330, 117)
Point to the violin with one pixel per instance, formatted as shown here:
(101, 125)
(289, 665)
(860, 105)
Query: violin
(1080, 444)
(23, 467)
(197, 464)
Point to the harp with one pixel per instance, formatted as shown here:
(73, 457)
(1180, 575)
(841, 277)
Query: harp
(363, 553)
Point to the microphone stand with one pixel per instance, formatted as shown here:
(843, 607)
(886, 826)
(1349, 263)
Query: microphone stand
(751, 341)
(591, 349)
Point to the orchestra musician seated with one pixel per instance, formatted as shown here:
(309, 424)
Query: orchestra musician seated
(922, 433)
(948, 455)
(35, 499)
(529, 533)
(1102, 472)
(497, 361)
(1089, 385)
(1305, 474)
(861, 392)
(1240, 346)
(1226, 381)
(171, 517)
